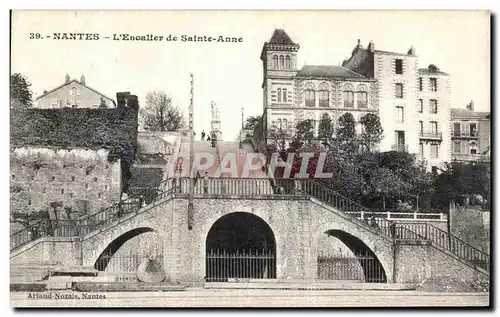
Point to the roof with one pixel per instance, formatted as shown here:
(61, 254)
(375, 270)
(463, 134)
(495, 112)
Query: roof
(427, 71)
(459, 112)
(74, 81)
(328, 71)
(280, 37)
(390, 53)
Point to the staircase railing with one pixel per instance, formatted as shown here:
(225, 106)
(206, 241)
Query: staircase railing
(89, 223)
(344, 204)
(448, 242)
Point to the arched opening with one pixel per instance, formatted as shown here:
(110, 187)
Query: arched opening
(360, 263)
(135, 256)
(240, 245)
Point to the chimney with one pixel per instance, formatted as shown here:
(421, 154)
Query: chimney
(411, 51)
(470, 106)
(359, 44)
(371, 46)
(82, 79)
(66, 78)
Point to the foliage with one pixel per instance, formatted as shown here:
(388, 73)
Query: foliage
(325, 128)
(345, 135)
(304, 130)
(159, 114)
(146, 177)
(69, 128)
(372, 130)
(461, 182)
(20, 92)
(278, 135)
(251, 122)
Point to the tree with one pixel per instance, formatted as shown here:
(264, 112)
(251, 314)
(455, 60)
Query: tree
(305, 130)
(279, 134)
(160, 114)
(20, 92)
(251, 122)
(325, 128)
(372, 130)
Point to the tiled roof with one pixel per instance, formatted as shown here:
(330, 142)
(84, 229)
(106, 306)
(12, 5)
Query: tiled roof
(458, 112)
(328, 71)
(76, 81)
(280, 37)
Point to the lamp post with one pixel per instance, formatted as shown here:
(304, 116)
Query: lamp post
(191, 152)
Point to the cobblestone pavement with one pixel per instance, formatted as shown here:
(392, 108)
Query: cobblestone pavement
(198, 297)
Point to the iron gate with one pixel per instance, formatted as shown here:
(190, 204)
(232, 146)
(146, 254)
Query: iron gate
(221, 266)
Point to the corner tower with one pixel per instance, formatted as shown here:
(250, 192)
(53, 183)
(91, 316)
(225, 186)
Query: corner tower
(279, 63)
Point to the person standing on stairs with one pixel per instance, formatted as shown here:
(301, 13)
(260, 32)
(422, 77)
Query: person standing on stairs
(203, 135)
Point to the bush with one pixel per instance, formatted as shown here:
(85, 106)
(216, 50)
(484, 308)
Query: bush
(68, 128)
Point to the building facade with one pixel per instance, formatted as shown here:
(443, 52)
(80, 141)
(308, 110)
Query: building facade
(389, 84)
(292, 95)
(470, 135)
(75, 94)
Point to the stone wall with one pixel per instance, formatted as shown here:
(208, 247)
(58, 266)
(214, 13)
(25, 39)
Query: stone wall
(40, 176)
(468, 225)
(66, 251)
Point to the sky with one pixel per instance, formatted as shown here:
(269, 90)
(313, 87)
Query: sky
(230, 74)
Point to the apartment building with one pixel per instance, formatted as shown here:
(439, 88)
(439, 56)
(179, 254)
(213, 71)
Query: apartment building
(470, 136)
(413, 104)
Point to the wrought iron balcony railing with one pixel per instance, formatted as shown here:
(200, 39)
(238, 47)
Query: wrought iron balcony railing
(431, 135)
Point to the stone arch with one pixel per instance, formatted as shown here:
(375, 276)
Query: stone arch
(324, 86)
(309, 86)
(240, 234)
(209, 222)
(362, 87)
(358, 241)
(105, 255)
(348, 87)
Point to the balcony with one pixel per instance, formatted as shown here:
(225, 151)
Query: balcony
(431, 135)
(470, 157)
(464, 134)
(400, 147)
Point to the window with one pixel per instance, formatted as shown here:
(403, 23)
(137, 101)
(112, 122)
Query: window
(434, 106)
(434, 127)
(456, 147)
(433, 82)
(348, 99)
(98, 195)
(421, 149)
(282, 62)
(73, 91)
(86, 185)
(324, 95)
(473, 129)
(288, 62)
(434, 170)
(399, 90)
(73, 178)
(310, 97)
(284, 95)
(399, 114)
(420, 83)
(456, 129)
(421, 127)
(62, 191)
(420, 105)
(434, 151)
(473, 151)
(399, 66)
(279, 94)
(105, 186)
(362, 99)
(275, 61)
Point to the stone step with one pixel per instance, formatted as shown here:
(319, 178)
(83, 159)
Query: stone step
(127, 287)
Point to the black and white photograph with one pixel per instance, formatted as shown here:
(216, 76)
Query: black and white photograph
(250, 159)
